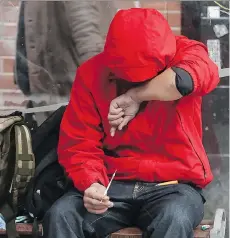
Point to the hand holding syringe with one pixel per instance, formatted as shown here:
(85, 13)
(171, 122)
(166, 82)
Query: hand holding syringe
(95, 198)
(106, 191)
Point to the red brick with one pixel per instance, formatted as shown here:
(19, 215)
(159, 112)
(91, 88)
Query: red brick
(7, 48)
(13, 104)
(174, 6)
(174, 19)
(177, 32)
(7, 82)
(1, 65)
(10, 3)
(164, 14)
(123, 4)
(8, 65)
(162, 5)
(8, 32)
(10, 14)
(13, 99)
(14, 94)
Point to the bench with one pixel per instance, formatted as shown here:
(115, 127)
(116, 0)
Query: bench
(216, 229)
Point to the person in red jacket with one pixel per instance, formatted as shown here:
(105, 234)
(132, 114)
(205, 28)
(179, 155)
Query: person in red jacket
(135, 109)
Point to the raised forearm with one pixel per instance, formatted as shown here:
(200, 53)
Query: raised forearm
(162, 88)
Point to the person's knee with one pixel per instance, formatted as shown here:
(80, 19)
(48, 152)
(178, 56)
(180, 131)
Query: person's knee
(181, 213)
(63, 208)
(65, 217)
(178, 216)
(57, 210)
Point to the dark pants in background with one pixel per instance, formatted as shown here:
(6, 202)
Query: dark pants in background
(171, 211)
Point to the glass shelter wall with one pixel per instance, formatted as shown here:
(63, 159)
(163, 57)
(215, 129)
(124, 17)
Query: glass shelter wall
(205, 21)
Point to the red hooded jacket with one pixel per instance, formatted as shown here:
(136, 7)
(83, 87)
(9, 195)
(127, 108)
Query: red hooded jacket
(164, 141)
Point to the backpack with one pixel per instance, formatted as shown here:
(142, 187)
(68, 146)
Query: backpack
(17, 165)
(49, 182)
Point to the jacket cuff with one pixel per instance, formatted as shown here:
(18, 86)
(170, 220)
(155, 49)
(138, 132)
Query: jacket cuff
(82, 182)
(184, 81)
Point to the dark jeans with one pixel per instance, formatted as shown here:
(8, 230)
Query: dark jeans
(171, 211)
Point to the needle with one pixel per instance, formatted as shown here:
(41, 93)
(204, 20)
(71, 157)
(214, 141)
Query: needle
(105, 193)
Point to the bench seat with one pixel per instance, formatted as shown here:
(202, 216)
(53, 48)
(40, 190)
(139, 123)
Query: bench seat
(217, 229)
(25, 230)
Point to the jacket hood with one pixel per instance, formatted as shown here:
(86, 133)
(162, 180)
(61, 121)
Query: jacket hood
(139, 44)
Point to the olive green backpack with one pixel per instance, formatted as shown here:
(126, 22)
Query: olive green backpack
(17, 166)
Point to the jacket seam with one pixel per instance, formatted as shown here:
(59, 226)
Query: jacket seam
(202, 163)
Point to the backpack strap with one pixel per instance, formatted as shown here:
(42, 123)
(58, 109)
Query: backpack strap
(9, 216)
(21, 165)
(23, 172)
(24, 164)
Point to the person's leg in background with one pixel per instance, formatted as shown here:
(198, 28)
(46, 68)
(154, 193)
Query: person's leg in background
(40, 117)
(35, 119)
(171, 211)
(69, 218)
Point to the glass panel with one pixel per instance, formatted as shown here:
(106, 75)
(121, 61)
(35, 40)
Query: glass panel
(208, 22)
(47, 46)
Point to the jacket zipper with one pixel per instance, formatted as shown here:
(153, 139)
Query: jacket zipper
(192, 145)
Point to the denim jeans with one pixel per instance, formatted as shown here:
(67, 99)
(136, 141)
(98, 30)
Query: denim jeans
(171, 211)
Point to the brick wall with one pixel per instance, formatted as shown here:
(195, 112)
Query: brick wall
(9, 11)
(8, 28)
(171, 11)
